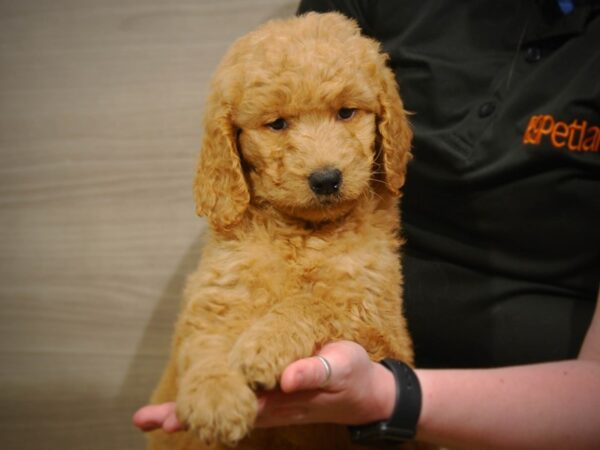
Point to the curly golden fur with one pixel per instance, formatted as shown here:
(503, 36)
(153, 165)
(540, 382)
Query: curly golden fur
(289, 267)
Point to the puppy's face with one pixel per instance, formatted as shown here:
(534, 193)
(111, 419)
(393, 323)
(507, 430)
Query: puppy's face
(307, 126)
(310, 162)
(303, 116)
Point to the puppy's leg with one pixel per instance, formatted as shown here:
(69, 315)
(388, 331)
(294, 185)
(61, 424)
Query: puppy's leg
(295, 329)
(287, 333)
(213, 401)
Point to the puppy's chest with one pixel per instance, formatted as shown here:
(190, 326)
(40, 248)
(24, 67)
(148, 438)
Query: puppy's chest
(302, 263)
(310, 259)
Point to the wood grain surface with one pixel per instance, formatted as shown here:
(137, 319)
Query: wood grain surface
(100, 107)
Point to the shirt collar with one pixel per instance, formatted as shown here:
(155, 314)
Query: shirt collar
(548, 20)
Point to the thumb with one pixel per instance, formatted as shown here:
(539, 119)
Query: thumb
(306, 374)
(325, 370)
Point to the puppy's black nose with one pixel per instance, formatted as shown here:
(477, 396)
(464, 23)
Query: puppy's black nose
(325, 181)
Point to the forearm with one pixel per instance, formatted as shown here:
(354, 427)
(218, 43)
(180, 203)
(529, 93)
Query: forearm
(541, 406)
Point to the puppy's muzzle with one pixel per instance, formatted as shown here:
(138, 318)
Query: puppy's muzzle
(325, 181)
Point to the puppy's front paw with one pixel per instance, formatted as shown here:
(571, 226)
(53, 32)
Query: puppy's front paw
(262, 360)
(218, 408)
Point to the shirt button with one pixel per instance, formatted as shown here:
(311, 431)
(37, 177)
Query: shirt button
(533, 54)
(487, 109)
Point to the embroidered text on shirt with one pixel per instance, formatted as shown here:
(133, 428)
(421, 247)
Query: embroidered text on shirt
(577, 136)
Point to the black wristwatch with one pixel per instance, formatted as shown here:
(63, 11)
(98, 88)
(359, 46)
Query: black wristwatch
(402, 425)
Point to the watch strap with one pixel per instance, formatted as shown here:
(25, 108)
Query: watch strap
(402, 424)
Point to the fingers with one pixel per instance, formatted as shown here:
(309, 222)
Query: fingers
(171, 423)
(325, 371)
(152, 417)
(276, 408)
(302, 375)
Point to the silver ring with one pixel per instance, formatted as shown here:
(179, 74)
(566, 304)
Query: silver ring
(327, 369)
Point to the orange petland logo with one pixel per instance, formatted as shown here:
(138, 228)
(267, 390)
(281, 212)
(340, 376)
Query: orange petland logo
(577, 136)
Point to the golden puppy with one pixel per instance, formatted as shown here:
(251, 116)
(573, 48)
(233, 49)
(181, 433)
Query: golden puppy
(304, 154)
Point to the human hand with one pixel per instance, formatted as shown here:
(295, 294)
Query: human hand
(358, 391)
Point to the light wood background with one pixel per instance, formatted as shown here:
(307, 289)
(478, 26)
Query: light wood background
(100, 106)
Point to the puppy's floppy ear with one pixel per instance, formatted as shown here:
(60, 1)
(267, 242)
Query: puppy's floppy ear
(394, 132)
(220, 187)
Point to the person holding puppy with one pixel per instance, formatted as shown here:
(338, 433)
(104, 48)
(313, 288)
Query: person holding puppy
(501, 213)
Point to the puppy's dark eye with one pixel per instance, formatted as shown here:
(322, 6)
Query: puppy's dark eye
(346, 113)
(278, 124)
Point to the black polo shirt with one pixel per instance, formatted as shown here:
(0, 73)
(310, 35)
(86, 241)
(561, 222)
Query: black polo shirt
(501, 207)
